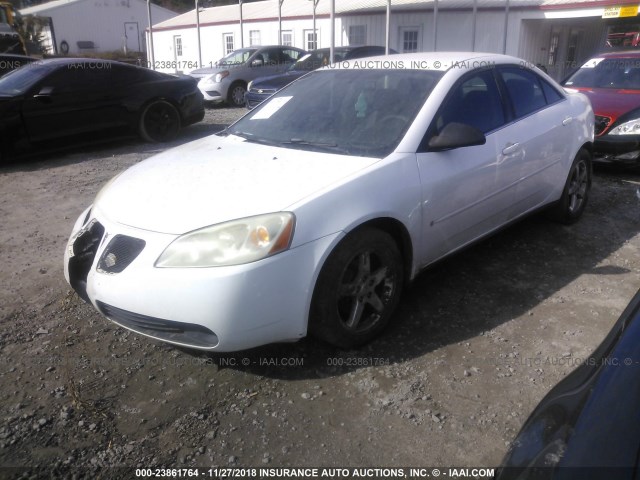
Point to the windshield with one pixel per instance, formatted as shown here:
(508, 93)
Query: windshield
(623, 73)
(351, 112)
(19, 81)
(237, 57)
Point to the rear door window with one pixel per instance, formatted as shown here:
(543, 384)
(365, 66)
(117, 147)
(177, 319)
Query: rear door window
(524, 90)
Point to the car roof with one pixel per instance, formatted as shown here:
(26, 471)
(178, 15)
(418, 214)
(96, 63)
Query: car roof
(12, 56)
(341, 49)
(76, 61)
(80, 61)
(260, 47)
(619, 53)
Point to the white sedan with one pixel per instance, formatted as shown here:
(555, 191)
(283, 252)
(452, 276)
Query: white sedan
(310, 213)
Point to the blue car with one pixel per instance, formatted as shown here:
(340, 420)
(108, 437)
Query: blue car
(262, 88)
(588, 425)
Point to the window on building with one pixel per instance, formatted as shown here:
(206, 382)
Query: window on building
(310, 40)
(572, 48)
(228, 43)
(410, 40)
(553, 49)
(254, 37)
(287, 38)
(357, 34)
(177, 44)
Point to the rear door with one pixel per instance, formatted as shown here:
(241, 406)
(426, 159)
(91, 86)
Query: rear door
(537, 134)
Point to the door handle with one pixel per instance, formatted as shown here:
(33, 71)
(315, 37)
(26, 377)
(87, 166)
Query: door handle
(510, 148)
(567, 121)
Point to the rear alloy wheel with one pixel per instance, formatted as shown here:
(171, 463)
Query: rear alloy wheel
(575, 195)
(358, 289)
(159, 122)
(236, 94)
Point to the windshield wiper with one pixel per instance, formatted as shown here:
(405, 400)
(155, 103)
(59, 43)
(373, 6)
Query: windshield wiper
(251, 138)
(325, 145)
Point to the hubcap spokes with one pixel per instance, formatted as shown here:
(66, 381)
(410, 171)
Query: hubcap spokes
(364, 293)
(578, 186)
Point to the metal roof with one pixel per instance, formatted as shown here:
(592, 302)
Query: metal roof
(292, 9)
(43, 8)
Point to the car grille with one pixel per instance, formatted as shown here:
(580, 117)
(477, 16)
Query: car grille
(264, 91)
(84, 250)
(121, 251)
(601, 124)
(168, 330)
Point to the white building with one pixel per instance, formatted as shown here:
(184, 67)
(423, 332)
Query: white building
(81, 26)
(559, 34)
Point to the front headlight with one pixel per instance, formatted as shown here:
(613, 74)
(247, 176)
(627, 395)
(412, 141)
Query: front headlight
(231, 243)
(632, 127)
(219, 76)
(249, 85)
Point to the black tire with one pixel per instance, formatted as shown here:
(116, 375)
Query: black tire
(236, 94)
(159, 122)
(357, 290)
(575, 195)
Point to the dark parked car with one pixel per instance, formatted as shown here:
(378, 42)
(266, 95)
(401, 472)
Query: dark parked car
(588, 426)
(64, 99)
(612, 83)
(10, 62)
(263, 87)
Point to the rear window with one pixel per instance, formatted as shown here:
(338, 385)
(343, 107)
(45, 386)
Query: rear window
(524, 90)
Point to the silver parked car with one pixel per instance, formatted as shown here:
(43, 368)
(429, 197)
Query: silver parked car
(227, 80)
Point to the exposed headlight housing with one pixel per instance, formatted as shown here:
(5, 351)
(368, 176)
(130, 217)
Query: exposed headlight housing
(219, 76)
(231, 243)
(632, 127)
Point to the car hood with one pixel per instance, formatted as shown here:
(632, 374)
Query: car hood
(277, 81)
(216, 179)
(612, 102)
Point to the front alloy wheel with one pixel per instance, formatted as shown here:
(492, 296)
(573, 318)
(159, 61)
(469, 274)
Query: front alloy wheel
(236, 94)
(358, 289)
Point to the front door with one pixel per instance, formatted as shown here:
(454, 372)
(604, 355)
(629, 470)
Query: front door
(72, 100)
(467, 192)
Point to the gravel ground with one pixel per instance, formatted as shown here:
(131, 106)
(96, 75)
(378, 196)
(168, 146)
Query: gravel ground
(476, 343)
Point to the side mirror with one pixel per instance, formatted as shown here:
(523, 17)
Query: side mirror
(257, 63)
(456, 135)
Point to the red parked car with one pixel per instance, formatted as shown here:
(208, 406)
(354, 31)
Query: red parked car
(612, 83)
